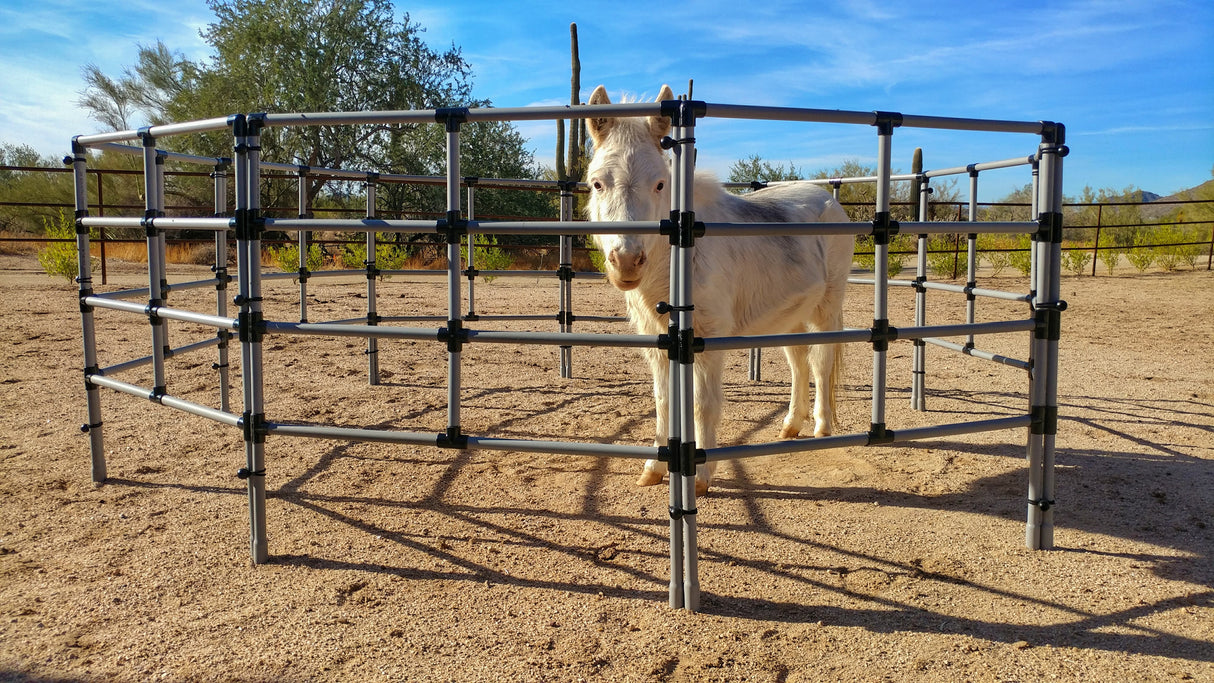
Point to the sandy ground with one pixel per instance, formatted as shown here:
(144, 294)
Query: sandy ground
(414, 564)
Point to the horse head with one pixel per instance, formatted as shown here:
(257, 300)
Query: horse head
(629, 180)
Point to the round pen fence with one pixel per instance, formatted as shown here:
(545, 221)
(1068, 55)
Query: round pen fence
(247, 325)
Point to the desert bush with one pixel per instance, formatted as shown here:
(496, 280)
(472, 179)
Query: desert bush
(597, 260)
(1075, 261)
(286, 257)
(943, 254)
(1022, 258)
(894, 261)
(1142, 254)
(1110, 258)
(1175, 251)
(388, 255)
(995, 250)
(60, 258)
(489, 256)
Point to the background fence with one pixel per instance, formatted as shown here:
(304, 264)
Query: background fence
(36, 209)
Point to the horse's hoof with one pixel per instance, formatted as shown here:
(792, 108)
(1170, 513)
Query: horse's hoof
(701, 487)
(649, 478)
(790, 433)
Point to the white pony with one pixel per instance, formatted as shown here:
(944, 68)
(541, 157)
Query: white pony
(744, 285)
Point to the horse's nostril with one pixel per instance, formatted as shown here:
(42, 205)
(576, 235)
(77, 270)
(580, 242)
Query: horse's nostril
(641, 259)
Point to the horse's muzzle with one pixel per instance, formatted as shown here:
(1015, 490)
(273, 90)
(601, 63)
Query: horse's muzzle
(624, 268)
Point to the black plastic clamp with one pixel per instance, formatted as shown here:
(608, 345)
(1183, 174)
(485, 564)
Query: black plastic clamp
(663, 308)
(884, 228)
(1053, 133)
(453, 227)
(454, 335)
(886, 121)
(681, 345)
(878, 434)
(670, 143)
(452, 438)
(248, 224)
(881, 334)
(1044, 420)
(1049, 227)
(681, 228)
(251, 326)
(1043, 503)
(253, 426)
(245, 473)
(1048, 319)
(451, 117)
(680, 513)
(683, 112)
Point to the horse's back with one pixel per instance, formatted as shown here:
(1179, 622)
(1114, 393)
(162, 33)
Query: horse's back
(792, 202)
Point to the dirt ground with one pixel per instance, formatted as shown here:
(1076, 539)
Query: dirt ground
(396, 563)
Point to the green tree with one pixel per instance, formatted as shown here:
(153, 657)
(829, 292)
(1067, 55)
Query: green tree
(308, 56)
(31, 187)
(756, 168)
(860, 198)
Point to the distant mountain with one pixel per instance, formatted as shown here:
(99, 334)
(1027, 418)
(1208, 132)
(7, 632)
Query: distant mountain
(1162, 206)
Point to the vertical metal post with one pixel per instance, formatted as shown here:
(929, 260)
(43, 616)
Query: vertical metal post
(565, 275)
(85, 281)
(302, 184)
(220, 176)
(372, 275)
(684, 574)
(453, 121)
(1039, 529)
(156, 277)
(919, 348)
(971, 259)
(883, 227)
(471, 249)
(251, 328)
(101, 231)
(1096, 245)
(1034, 212)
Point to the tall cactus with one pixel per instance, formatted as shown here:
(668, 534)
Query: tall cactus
(571, 161)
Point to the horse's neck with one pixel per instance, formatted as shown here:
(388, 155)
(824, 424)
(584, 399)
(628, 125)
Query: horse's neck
(711, 199)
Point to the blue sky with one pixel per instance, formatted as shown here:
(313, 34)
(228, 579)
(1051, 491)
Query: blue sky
(1133, 81)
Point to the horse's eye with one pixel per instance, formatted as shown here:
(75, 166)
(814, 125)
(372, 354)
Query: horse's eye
(596, 185)
(659, 187)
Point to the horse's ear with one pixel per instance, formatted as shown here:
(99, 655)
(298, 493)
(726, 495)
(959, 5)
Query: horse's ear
(659, 126)
(599, 127)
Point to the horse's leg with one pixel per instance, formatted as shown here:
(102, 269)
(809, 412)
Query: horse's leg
(659, 366)
(709, 396)
(798, 403)
(827, 361)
